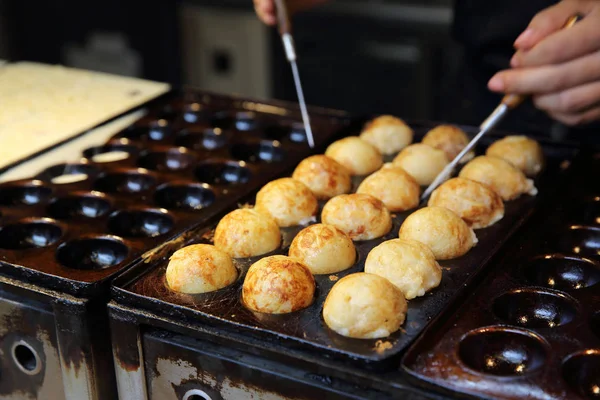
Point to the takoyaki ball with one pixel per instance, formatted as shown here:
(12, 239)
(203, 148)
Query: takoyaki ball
(200, 268)
(408, 264)
(504, 179)
(398, 190)
(422, 162)
(364, 306)
(388, 134)
(324, 249)
(522, 152)
(360, 216)
(440, 229)
(358, 156)
(247, 233)
(477, 204)
(324, 176)
(278, 285)
(288, 201)
(450, 139)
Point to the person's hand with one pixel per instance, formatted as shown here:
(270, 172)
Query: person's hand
(265, 9)
(560, 68)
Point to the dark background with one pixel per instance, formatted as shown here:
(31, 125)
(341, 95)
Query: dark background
(361, 56)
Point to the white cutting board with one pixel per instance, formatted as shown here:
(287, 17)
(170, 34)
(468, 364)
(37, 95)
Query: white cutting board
(41, 105)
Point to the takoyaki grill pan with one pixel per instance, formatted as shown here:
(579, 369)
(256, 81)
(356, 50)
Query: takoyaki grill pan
(144, 285)
(532, 328)
(73, 226)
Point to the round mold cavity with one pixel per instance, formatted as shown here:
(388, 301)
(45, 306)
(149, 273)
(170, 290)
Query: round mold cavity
(64, 174)
(168, 113)
(502, 351)
(561, 272)
(109, 153)
(159, 130)
(174, 159)
(194, 196)
(25, 194)
(84, 205)
(29, 234)
(581, 371)
(195, 112)
(587, 212)
(595, 323)
(223, 173)
(293, 131)
(268, 152)
(581, 240)
(244, 121)
(140, 223)
(125, 182)
(531, 308)
(92, 253)
(26, 358)
(206, 139)
(135, 132)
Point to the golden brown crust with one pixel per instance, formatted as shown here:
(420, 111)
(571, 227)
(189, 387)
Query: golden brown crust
(422, 162)
(356, 155)
(200, 268)
(409, 265)
(520, 151)
(246, 233)
(388, 134)
(360, 216)
(398, 190)
(364, 306)
(324, 249)
(503, 178)
(450, 139)
(278, 285)
(477, 204)
(440, 229)
(288, 201)
(324, 176)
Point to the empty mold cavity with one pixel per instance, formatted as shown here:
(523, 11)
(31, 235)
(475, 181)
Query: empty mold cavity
(84, 205)
(502, 351)
(24, 194)
(155, 130)
(29, 234)
(561, 272)
(194, 196)
(581, 371)
(293, 131)
(533, 308)
(63, 174)
(109, 153)
(587, 212)
(581, 240)
(195, 113)
(242, 121)
(125, 182)
(204, 139)
(258, 152)
(168, 113)
(140, 223)
(174, 159)
(92, 253)
(223, 173)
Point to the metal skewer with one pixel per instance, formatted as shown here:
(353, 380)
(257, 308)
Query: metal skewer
(509, 102)
(285, 30)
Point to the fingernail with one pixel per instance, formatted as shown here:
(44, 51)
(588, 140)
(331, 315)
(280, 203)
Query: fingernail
(496, 84)
(524, 36)
(514, 61)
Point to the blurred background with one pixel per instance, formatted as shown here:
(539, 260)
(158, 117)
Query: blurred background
(362, 56)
